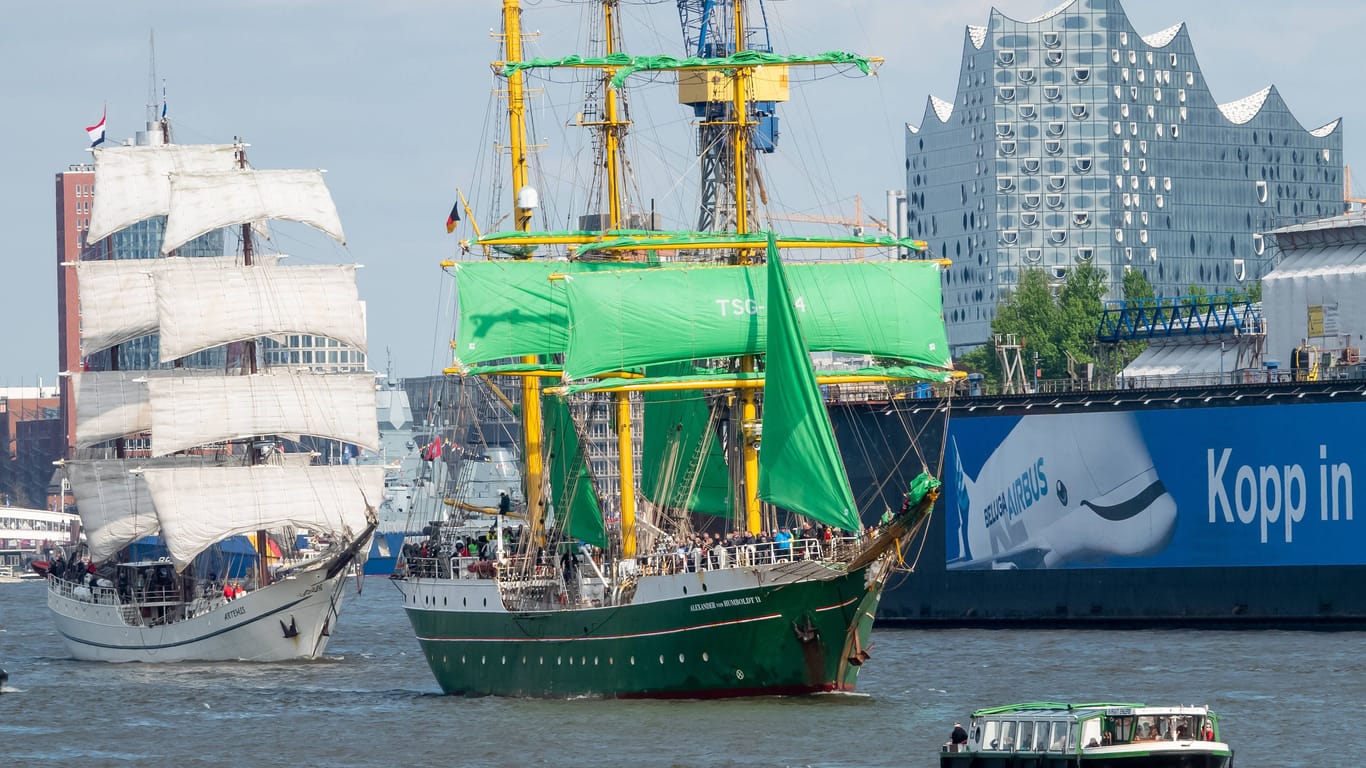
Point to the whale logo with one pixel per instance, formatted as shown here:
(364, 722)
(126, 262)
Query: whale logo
(1059, 490)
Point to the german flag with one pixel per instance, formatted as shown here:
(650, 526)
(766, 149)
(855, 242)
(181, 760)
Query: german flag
(454, 218)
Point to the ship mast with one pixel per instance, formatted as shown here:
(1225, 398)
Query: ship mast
(523, 203)
(749, 454)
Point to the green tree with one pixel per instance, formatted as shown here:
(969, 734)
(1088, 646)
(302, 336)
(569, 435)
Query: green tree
(1031, 313)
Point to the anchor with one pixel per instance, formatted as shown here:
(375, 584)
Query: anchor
(859, 654)
(806, 632)
(290, 631)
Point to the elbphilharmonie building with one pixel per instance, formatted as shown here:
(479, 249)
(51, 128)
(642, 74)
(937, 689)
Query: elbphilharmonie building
(1073, 138)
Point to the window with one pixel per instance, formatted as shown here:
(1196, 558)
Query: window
(1190, 78)
(1079, 111)
(1119, 236)
(1176, 131)
(1030, 166)
(1161, 201)
(1239, 270)
(1030, 201)
(1052, 40)
(1007, 147)
(1081, 219)
(1054, 201)
(1006, 93)
(1057, 236)
(1059, 273)
(1143, 236)
(1005, 184)
(1052, 58)
(1167, 183)
(1057, 183)
(1056, 128)
(1029, 219)
(1258, 244)
(1085, 253)
(1123, 110)
(1005, 57)
(1027, 111)
(1152, 254)
(1026, 76)
(1052, 93)
(1171, 60)
(1081, 74)
(1052, 146)
(1114, 55)
(1181, 95)
(1183, 113)
(1010, 236)
(1261, 191)
(1157, 94)
(1005, 130)
(1033, 255)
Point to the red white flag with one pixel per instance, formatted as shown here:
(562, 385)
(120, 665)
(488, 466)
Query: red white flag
(96, 131)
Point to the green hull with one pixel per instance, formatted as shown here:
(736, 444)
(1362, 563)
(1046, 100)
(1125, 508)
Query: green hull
(795, 638)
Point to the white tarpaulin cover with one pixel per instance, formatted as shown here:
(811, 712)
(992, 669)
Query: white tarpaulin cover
(198, 310)
(118, 298)
(203, 202)
(134, 183)
(191, 411)
(1184, 363)
(200, 506)
(1323, 269)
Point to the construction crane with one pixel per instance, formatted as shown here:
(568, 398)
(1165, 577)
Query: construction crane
(857, 224)
(1347, 198)
(709, 31)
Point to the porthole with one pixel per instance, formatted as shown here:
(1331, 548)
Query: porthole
(680, 658)
(705, 656)
(633, 661)
(661, 658)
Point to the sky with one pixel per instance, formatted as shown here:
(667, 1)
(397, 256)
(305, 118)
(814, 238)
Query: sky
(392, 98)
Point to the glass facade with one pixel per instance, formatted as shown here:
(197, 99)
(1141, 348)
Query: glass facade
(1073, 139)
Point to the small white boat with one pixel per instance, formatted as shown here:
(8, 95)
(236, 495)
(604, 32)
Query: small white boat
(1039, 734)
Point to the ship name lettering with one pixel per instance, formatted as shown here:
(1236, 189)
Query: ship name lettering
(737, 307)
(235, 613)
(734, 601)
(1271, 494)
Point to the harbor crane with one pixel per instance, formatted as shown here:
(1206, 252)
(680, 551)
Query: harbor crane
(710, 30)
(857, 224)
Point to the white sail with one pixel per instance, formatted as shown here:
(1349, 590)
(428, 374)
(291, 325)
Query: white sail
(196, 410)
(113, 502)
(134, 183)
(118, 298)
(110, 404)
(203, 202)
(197, 310)
(200, 506)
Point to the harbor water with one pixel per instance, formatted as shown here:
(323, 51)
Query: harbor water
(1286, 699)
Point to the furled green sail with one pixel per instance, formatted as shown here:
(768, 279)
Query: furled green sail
(513, 308)
(623, 320)
(627, 65)
(683, 462)
(572, 499)
(799, 464)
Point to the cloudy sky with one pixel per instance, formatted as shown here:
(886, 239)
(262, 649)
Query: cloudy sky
(391, 98)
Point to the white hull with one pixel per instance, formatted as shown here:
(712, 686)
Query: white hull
(250, 628)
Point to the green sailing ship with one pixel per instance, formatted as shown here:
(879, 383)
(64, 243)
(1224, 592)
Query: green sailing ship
(700, 345)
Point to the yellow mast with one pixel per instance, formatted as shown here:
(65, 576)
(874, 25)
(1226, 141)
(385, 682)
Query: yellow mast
(531, 386)
(625, 446)
(749, 455)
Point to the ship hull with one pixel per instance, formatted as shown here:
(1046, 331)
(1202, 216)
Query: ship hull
(289, 619)
(716, 634)
(1206, 574)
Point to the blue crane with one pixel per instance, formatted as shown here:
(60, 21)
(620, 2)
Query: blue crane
(709, 31)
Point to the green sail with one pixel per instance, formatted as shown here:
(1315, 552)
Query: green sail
(799, 464)
(683, 463)
(513, 308)
(571, 489)
(625, 320)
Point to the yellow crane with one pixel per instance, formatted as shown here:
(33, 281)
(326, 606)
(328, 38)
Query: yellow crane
(857, 223)
(1347, 190)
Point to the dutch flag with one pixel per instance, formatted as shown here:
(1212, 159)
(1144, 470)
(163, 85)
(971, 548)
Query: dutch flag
(96, 131)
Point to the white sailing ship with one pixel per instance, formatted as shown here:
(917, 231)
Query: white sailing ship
(218, 446)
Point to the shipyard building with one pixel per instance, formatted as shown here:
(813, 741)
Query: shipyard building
(1074, 139)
